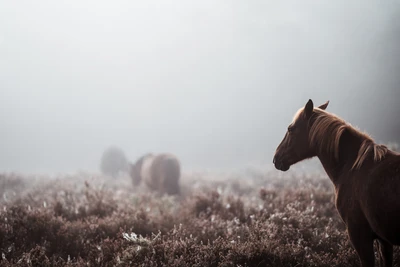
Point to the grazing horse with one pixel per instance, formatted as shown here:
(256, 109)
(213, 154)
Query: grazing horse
(366, 177)
(160, 172)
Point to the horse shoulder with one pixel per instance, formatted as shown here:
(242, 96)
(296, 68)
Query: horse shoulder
(349, 195)
(344, 201)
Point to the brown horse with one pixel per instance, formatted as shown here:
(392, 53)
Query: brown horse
(366, 177)
(160, 172)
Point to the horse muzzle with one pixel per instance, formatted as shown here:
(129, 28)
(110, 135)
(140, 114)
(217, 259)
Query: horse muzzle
(280, 164)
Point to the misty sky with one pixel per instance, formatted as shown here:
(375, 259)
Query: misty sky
(215, 82)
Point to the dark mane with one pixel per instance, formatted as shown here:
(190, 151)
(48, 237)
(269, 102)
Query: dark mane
(326, 122)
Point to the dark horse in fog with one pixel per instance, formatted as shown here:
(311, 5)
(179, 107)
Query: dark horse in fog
(160, 172)
(366, 177)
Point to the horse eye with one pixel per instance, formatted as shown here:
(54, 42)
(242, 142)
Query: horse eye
(290, 129)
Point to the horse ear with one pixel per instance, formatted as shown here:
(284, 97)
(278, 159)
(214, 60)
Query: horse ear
(308, 109)
(323, 106)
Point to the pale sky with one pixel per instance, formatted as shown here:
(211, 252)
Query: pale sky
(215, 82)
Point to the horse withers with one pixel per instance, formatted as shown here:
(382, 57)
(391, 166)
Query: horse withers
(160, 172)
(366, 177)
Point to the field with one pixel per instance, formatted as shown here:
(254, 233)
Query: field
(251, 217)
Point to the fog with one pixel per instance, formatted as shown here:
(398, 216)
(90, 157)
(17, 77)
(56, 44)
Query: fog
(214, 82)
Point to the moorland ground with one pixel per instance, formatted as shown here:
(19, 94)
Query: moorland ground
(252, 217)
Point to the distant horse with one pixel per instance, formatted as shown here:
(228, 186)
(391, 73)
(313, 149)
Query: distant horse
(160, 172)
(366, 177)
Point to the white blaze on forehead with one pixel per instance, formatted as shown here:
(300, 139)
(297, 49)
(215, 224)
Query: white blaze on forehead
(296, 116)
(146, 167)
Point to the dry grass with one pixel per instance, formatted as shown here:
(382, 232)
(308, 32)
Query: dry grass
(249, 218)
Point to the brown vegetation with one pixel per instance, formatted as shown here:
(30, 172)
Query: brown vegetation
(255, 218)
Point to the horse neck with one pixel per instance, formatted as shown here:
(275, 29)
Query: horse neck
(337, 168)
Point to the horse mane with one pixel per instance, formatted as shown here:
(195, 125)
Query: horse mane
(327, 130)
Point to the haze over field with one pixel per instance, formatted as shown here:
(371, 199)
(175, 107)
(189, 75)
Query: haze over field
(215, 82)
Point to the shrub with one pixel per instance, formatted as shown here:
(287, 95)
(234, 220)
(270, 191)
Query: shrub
(252, 220)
